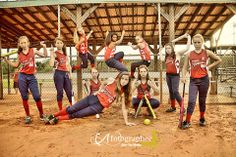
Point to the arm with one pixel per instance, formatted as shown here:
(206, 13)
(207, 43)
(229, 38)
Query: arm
(216, 59)
(125, 112)
(108, 81)
(121, 38)
(107, 32)
(181, 52)
(135, 47)
(68, 66)
(153, 85)
(184, 70)
(13, 64)
(135, 85)
(45, 52)
(86, 84)
(52, 57)
(88, 36)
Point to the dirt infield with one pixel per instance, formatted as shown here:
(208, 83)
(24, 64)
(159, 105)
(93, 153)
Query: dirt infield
(109, 137)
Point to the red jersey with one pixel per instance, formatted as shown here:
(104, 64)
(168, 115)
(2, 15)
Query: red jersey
(172, 65)
(142, 90)
(28, 62)
(198, 64)
(94, 86)
(107, 95)
(83, 47)
(61, 60)
(145, 53)
(109, 53)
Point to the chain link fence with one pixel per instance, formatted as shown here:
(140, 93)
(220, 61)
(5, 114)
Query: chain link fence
(225, 74)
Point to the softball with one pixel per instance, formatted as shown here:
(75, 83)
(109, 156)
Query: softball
(147, 121)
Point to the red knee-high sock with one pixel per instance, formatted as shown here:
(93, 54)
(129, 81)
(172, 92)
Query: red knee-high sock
(188, 117)
(59, 103)
(202, 114)
(61, 113)
(26, 107)
(173, 103)
(40, 107)
(70, 103)
(180, 102)
(65, 117)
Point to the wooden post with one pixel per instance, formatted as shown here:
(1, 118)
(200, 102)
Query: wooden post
(1, 80)
(79, 72)
(213, 79)
(8, 76)
(58, 20)
(78, 19)
(160, 46)
(171, 22)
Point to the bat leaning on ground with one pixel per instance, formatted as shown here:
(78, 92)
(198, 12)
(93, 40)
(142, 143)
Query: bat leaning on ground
(150, 107)
(181, 114)
(138, 109)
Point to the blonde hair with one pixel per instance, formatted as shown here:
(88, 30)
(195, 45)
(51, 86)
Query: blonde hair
(198, 36)
(19, 39)
(76, 34)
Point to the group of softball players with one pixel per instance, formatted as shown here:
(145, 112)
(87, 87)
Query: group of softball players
(101, 94)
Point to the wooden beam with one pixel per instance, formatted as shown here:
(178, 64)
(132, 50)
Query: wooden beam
(87, 13)
(8, 26)
(204, 18)
(232, 8)
(68, 13)
(215, 19)
(145, 19)
(164, 14)
(133, 20)
(23, 25)
(193, 17)
(155, 25)
(171, 22)
(30, 23)
(99, 25)
(15, 4)
(81, 18)
(62, 21)
(39, 21)
(120, 17)
(178, 17)
(1, 78)
(218, 27)
(182, 10)
(108, 16)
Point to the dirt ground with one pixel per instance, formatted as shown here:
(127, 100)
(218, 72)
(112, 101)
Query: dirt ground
(109, 137)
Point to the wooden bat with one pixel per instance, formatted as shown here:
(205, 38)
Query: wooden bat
(150, 107)
(181, 114)
(179, 38)
(9, 53)
(139, 108)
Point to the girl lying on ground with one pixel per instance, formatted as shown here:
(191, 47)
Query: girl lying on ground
(115, 89)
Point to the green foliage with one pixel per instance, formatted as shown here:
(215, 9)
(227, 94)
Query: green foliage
(44, 67)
